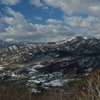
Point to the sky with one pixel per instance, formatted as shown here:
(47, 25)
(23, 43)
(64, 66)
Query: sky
(49, 20)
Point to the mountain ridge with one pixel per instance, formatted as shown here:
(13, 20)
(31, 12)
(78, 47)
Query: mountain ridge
(80, 49)
(50, 64)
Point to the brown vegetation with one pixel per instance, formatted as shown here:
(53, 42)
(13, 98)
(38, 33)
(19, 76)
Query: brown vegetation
(88, 89)
(91, 88)
(13, 91)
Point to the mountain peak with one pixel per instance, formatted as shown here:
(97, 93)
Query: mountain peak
(75, 37)
(10, 40)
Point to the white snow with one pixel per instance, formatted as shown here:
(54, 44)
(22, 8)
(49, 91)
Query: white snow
(9, 40)
(11, 48)
(15, 76)
(33, 77)
(15, 47)
(54, 83)
(72, 38)
(1, 68)
(36, 81)
(86, 74)
(85, 38)
(32, 68)
(38, 66)
(35, 90)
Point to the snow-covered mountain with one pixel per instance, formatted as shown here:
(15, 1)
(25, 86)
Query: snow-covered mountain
(49, 64)
(10, 42)
(84, 51)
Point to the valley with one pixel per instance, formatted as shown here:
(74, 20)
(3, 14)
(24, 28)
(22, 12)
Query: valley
(50, 65)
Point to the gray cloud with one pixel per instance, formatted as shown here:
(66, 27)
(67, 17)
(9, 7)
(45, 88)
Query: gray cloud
(17, 23)
(38, 3)
(45, 8)
(18, 28)
(84, 26)
(53, 21)
(54, 30)
(2, 30)
(9, 2)
(38, 18)
(76, 6)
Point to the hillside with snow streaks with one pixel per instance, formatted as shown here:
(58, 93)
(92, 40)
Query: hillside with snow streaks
(84, 50)
(46, 65)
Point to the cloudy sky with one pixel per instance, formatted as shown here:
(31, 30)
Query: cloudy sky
(49, 20)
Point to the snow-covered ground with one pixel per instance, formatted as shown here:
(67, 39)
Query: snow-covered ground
(32, 68)
(35, 80)
(54, 83)
(1, 68)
